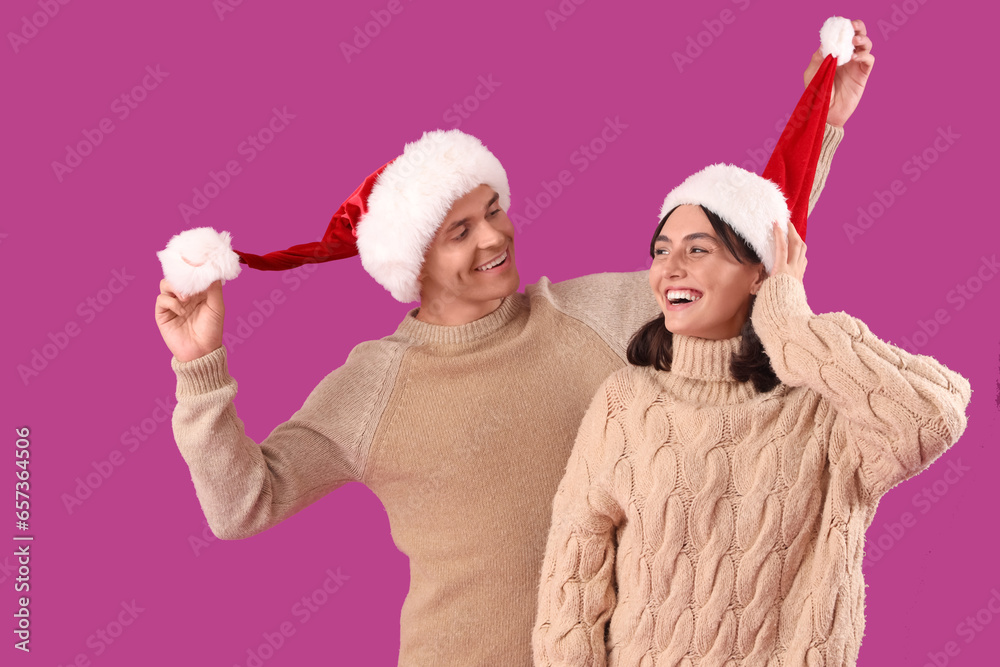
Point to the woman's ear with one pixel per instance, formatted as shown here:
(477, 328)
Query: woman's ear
(759, 280)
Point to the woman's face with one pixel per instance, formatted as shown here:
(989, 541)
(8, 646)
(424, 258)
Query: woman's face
(691, 262)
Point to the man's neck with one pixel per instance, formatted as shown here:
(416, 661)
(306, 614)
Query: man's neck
(456, 313)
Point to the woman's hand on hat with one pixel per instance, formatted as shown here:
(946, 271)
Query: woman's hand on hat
(850, 79)
(190, 326)
(789, 252)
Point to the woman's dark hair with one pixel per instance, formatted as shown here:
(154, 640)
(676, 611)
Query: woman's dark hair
(652, 345)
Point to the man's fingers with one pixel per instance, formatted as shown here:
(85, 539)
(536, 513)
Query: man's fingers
(165, 303)
(862, 45)
(168, 289)
(859, 27)
(867, 62)
(214, 296)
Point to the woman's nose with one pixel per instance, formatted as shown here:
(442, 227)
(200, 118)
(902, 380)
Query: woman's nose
(673, 264)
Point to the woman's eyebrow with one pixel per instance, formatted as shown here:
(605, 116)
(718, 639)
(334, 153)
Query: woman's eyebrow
(689, 237)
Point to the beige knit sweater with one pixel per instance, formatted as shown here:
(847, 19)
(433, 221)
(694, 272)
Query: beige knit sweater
(462, 432)
(703, 523)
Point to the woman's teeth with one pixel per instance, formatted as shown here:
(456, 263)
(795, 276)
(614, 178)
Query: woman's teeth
(496, 262)
(676, 295)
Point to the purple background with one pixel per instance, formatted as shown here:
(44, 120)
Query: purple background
(135, 537)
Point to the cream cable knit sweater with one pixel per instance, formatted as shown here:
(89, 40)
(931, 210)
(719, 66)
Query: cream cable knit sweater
(703, 523)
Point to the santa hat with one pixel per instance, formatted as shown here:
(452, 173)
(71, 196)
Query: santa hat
(750, 203)
(390, 220)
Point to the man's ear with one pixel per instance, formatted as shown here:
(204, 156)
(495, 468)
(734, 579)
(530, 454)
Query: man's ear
(759, 280)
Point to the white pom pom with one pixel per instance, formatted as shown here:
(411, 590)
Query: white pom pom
(837, 37)
(196, 258)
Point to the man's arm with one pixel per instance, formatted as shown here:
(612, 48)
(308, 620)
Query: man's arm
(244, 487)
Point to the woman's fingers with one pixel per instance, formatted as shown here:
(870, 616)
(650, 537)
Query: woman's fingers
(780, 249)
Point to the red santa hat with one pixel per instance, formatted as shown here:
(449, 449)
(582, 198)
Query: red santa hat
(390, 220)
(750, 203)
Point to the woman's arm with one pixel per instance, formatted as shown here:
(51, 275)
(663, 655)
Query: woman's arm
(900, 410)
(577, 595)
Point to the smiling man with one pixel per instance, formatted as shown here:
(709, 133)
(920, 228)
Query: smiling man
(470, 262)
(461, 421)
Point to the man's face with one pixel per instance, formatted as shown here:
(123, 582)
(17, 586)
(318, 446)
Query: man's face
(469, 267)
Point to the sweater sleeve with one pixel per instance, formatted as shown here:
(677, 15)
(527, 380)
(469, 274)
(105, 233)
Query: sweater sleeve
(832, 137)
(614, 305)
(245, 488)
(897, 411)
(577, 592)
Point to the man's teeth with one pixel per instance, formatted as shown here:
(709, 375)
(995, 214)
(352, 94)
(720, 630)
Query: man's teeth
(495, 262)
(677, 294)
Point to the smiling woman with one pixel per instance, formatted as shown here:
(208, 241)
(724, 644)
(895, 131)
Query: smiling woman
(717, 496)
(706, 285)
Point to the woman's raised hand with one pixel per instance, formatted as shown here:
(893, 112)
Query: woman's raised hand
(191, 327)
(850, 79)
(789, 252)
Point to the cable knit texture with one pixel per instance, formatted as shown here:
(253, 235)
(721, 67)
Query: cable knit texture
(703, 523)
(462, 432)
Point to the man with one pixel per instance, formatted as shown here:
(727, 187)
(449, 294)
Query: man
(462, 421)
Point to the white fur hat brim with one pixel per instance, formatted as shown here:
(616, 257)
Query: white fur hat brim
(196, 258)
(411, 198)
(745, 201)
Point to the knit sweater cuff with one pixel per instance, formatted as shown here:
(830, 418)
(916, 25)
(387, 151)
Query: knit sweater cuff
(780, 308)
(832, 137)
(780, 302)
(202, 375)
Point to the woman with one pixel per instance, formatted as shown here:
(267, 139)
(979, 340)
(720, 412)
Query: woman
(715, 503)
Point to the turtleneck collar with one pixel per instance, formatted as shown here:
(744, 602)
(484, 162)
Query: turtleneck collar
(438, 334)
(700, 371)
